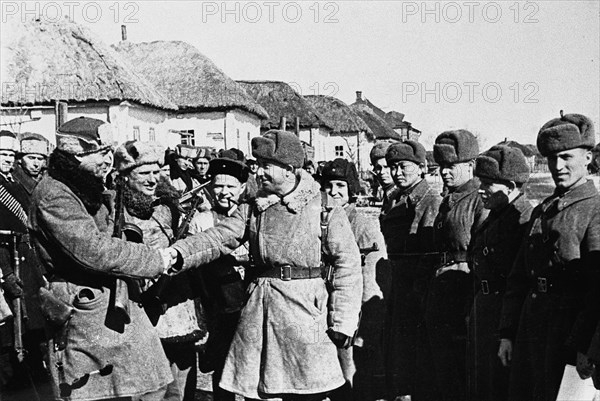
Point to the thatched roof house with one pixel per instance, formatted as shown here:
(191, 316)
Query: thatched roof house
(214, 110)
(337, 114)
(380, 128)
(43, 62)
(187, 77)
(56, 71)
(281, 100)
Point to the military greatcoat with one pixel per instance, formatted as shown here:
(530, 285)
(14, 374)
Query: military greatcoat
(493, 250)
(552, 292)
(280, 345)
(408, 233)
(450, 293)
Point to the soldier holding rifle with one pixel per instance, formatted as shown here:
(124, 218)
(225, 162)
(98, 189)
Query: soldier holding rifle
(96, 353)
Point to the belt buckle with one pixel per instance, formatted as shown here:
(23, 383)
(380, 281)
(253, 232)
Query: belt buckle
(542, 284)
(485, 287)
(285, 272)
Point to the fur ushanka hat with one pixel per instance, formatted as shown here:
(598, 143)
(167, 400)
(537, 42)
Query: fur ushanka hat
(567, 132)
(502, 163)
(408, 150)
(278, 146)
(455, 146)
(133, 154)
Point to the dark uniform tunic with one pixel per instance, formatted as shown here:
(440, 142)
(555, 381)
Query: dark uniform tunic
(450, 294)
(552, 292)
(408, 233)
(492, 251)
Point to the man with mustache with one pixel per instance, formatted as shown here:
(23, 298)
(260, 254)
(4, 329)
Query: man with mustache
(97, 352)
(551, 305)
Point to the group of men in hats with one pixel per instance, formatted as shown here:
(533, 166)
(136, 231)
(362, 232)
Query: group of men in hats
(490, 298)
(467, 295)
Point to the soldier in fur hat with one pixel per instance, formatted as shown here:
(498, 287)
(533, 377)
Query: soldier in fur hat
(502, 171)
(551, 306)
(138, 165)
(382, 173)
(285, 342)
(363, 363)
(408, 232)
(113, 354)
(223, 286)
(451, 290)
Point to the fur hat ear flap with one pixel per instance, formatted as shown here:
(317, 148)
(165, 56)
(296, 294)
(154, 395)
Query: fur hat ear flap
(567, 132)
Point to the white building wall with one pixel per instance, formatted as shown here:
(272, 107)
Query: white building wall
(208, 127)
(240, 128)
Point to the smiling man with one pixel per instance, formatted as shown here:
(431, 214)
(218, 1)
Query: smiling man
(285, 343)
(550, 309)
(502, 171)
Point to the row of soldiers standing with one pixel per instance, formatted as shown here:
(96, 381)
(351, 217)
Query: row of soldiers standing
(491, 299)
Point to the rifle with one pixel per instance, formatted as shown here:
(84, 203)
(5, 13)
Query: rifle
(152, 297)
(192, 193)
(17, 304)
(129, 232)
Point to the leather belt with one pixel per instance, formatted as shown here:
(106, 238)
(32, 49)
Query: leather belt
(491, 287)
(289, 272)
(437, 258)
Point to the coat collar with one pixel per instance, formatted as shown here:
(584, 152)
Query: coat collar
(28, 182)
(463, 191)
(306, 190)
(584, 191)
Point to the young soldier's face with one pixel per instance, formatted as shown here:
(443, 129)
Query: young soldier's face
(7, 160)
(569, 167)
(143, 179)
(202, 166)
(493, 194)
(338, 190)
(228, 190)
(165, 172)
(456, 174)
(382, 171)
(405, 173)
(97, 164)
(33, 164)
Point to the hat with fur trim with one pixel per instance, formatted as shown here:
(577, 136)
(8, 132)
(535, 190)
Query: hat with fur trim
(186, 151)
(8, 141)
(567, 132)
(278, 146)
(133, 154)
(84, 135)
(206, 152)
(230, 162)
(455, 146)
(343, 170)
(502, 163)
(32, 143)
(378, 151)
(408, 150)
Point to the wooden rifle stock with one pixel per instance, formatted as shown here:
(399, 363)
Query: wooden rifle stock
(17, 303)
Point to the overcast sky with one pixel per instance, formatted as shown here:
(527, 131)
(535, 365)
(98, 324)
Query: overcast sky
(500, 69)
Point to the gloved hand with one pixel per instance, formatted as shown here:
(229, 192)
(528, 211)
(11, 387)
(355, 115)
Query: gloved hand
(12, 285)
(339, 339)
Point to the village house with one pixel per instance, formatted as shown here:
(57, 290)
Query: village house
(212, 109)
(350, 138)
(55, 71)
(394, 119)
(281, 100)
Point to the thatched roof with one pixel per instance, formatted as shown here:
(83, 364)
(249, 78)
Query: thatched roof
(44, 61)
(337, 114)
(187, 77)
(528, 150)
(364, 101)
(380, 128)
(281, 100)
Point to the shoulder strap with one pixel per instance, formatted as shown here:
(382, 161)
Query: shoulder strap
(325, 215)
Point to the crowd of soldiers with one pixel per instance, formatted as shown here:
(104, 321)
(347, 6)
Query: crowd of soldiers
(126, 270)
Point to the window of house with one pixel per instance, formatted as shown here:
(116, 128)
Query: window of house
(339, 151)
(151, 134)
(136, 133)
(187, 137)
